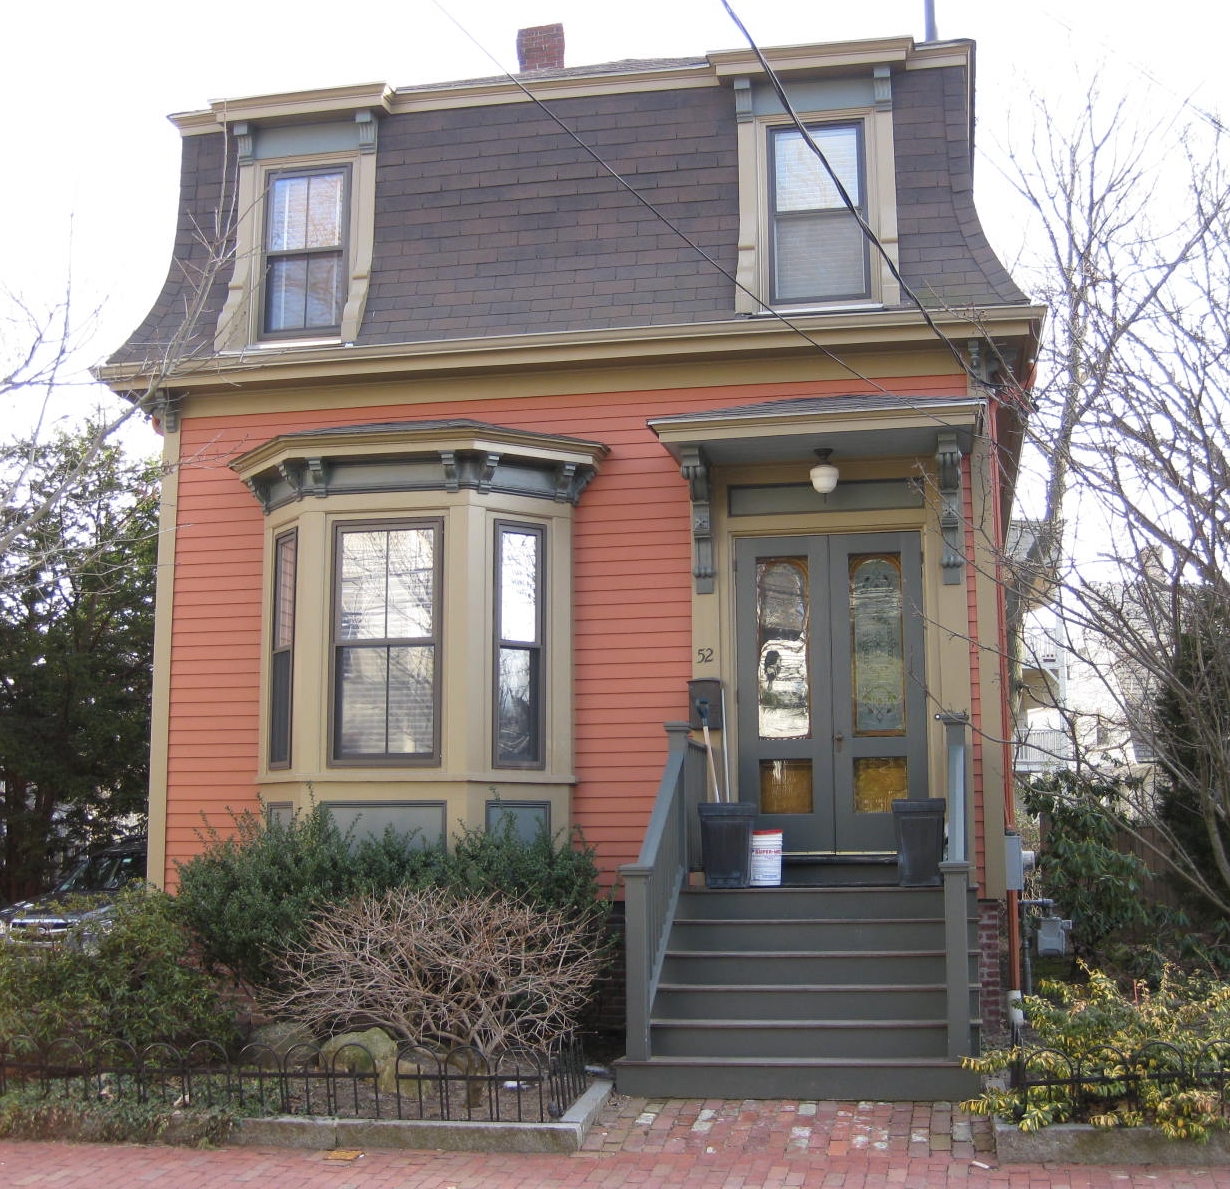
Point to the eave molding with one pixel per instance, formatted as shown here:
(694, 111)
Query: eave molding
(730, 339)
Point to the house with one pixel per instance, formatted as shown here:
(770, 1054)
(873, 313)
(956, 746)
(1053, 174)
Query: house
(491, 428)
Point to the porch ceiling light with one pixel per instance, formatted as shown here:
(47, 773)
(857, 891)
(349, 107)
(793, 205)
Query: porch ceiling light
(824, 474)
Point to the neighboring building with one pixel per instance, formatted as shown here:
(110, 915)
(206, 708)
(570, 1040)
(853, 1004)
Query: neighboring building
(478, 455)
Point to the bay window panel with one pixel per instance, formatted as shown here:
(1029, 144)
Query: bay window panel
(519, 660)
(387, 633)
(282, 633)
(517, 706)
(411, 698)
(519, 564)
(411, 578)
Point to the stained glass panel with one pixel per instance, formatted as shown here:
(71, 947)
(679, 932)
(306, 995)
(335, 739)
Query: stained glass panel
(876, 645)
(878, 782)
(785, 786)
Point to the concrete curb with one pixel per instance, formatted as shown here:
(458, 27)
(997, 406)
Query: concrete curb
(1079, 1143)
(291, 1131)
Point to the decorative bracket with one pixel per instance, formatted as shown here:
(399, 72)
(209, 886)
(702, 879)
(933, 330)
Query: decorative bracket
(244, 141)
(882, 84)
(489, 463)
(948, 464)
(564, 475)
(367, 130)
(695, 470)
(452, 479)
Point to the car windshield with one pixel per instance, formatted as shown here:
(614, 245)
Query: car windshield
(103, 873)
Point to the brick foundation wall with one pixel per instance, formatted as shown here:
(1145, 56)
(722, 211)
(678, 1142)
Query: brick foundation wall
(991, 956)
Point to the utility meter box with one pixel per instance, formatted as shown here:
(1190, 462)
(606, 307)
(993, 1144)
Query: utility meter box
(1017, 862)
(1053, 937)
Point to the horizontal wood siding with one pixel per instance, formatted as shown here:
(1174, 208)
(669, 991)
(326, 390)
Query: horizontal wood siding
(632, 601)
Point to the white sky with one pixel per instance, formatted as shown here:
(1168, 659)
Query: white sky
(93, 164)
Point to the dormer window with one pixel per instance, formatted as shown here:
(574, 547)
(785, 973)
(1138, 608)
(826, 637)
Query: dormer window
(818, 250)
(305, 274)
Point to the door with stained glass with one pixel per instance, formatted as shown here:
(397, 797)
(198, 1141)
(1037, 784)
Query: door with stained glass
(832, 708)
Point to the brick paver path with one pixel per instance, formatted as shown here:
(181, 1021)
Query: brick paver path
(715, 1144)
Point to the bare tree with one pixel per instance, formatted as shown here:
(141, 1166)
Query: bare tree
(1129, 446)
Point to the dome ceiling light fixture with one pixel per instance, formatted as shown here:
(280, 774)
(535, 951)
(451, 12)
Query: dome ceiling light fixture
(824, 474)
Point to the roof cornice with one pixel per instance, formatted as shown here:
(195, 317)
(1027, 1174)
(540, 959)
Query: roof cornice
(714, 69)
(747, 338)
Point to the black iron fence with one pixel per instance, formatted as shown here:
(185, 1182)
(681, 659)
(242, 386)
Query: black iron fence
(410, 1081)
(1107, 1077)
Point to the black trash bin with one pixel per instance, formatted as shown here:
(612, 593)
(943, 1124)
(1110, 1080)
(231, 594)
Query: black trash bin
(726, 842)
(920, 841)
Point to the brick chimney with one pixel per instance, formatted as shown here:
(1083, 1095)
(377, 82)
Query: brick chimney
(541, 48)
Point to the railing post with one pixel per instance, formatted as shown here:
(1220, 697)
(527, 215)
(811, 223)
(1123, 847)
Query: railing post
(641, 942)
(955, 871)
(954, 741)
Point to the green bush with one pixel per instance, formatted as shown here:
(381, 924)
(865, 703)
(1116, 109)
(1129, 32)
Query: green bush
(1127, 1039)
(137, 984)
(249, 898)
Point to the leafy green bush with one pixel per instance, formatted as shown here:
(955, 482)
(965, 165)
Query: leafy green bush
(249, 898)
(1135, 1040)
(137, 984)
(1080, 867)
(549, 872)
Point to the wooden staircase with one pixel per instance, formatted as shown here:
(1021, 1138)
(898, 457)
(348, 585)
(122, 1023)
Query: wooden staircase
(832, 992)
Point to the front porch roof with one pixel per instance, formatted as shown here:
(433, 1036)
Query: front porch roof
(856, 426)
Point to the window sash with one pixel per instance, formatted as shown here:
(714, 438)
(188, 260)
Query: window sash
(518, 680)
(305, 233)
(282, 636)
(817, 249)
(386, 642)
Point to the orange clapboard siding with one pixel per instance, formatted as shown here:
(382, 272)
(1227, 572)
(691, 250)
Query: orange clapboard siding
(632, 602)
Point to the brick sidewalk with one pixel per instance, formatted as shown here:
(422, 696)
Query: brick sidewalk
(714, 1144)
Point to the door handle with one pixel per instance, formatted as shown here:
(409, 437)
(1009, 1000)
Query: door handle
(838, 740)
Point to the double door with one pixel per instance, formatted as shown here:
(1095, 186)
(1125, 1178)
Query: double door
(831, 695)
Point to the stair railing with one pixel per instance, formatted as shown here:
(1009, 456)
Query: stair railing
(956, 871)
(653, 882)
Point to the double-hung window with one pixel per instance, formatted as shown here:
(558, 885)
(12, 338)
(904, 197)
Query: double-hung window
(519, 612)
(305, 249)
(818, 250)
(282, 635)
(387, 642)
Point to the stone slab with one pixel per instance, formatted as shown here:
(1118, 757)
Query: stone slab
(1079, 1143)
(323, 1134)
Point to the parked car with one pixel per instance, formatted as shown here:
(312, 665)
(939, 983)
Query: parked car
(77, 909)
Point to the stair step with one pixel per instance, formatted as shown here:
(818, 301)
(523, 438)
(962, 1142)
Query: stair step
(864, 1001)
(849, 1039)
(809, 935)
(883, 1080)
(807, 902)
(904, 967)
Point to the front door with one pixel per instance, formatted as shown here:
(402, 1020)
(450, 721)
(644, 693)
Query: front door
(831, 701)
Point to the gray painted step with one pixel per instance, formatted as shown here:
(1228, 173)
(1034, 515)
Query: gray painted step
(810, 935)
(853, 1001)
(904, 967)
(879, 1080)
(801, 903)
(852, 1039)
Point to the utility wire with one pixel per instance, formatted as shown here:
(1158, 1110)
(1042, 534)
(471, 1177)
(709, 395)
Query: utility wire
(645, 202)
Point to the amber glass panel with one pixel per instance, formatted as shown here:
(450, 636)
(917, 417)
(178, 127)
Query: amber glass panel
(783, 695)
(877, 653)
(785, 786)
(878, 782)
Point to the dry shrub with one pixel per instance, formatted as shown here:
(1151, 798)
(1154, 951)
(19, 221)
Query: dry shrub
(427, 965)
